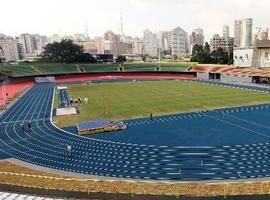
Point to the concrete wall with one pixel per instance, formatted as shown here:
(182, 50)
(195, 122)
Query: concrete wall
(263, 58)
(235, 78)
(203, 75)
(243, 57)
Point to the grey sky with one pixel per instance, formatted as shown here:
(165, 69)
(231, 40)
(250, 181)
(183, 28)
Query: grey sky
(70, 16)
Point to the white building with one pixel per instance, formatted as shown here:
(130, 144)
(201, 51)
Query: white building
(151, 43)
(29, 44)
(9, 49)
(138, 46)
(179, 41)
(55, 38)
(226, 31)
(167, 42)
(243, 33)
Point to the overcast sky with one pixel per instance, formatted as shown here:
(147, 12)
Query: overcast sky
(70, 16)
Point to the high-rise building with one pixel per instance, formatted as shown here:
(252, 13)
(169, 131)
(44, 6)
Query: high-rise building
(55, 38)
(225, 43)
(29, 43)
(9, 49)
(243, 33)
(226, 31)
(167, 42)
(113, 44)
(179, 41)
(196, 37)
(138, 46)
(151, 43)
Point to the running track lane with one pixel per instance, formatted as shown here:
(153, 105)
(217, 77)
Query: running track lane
(45, 145)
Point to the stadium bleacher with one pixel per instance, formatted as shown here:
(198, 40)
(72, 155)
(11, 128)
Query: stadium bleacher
(57, 68)
(18, 70)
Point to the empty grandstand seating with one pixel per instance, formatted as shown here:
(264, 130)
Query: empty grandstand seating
(57, 68)
(18, 70)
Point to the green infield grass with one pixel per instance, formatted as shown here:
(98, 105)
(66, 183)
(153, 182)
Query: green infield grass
(128, 100)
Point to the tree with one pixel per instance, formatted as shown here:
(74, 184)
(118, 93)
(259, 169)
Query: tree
(219, 56)
(196, 48)
(62, 52)
(206, 47)
(121, 59)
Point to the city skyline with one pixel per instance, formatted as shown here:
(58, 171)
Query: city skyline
(100, 16)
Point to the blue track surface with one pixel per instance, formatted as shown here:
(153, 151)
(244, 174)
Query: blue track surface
(243, 152)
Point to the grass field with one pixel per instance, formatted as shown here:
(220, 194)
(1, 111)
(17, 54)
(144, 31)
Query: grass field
(120, 101)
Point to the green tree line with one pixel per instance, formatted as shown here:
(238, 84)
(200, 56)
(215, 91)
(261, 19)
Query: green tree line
(203, 55)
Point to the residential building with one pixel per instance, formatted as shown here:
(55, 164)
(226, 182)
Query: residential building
(196, 37)
(88, 46)
(167, 43)
(179, 41)
(243, 33)
(226, 31)
(114, 45)
(151, 43)
(99, 43)
(225, 43)
(55, 38)
(138, 46)
(9, 50)
(29, 43)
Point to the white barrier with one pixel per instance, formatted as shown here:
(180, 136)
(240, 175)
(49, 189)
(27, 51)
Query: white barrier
(47, 79)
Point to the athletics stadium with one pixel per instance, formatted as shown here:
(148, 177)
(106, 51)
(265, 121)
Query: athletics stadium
(180, 129)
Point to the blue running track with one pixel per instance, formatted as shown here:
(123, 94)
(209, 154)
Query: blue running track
(246, 157)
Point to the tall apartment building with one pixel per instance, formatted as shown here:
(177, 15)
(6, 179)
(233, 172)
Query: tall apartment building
(113, 44)
(179, 41)
(243, 33)
(31, 45)
(167, 42)
(151, 43)
(138, 46)
(226, 31)
(9, 49)
(226, 43)
(196, 37)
